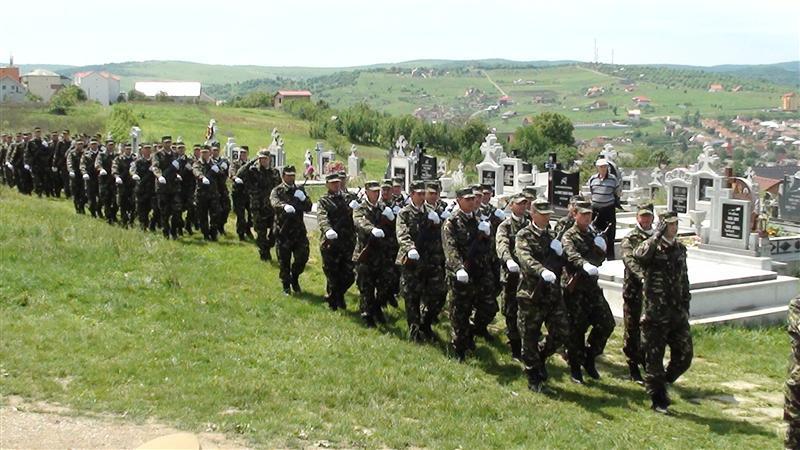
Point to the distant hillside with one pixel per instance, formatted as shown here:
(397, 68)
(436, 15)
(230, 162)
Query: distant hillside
(785, 73)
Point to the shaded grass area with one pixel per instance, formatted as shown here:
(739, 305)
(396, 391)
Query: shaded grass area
(199, 336)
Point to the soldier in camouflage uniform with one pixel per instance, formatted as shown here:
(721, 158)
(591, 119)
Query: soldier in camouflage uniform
(495, 216)
(89, 175)
(633, 291)
(6, 169)
(539, 299)
(105, 182)
(437, 299)
(586, 305)
(374, 254)
(37, 157)
(166, 168)
(222, 187)
(206, 194)
(509, 275)
(22, 170)
(290, 202)
(239, 197)
(791, 405)
(188, 186)
(121, 171)
(144, 191)
(258, 180)
(466, 242)
(337, 240)
(392, 196)
(73, 158)
(666, 309)
(566, 222)
(60, 173)
(422, 275)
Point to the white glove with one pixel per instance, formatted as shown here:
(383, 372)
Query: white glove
(8, 164)
(136, 177)
(118, 180)
(224, 165)
(484, 218)
(214, 168)
(300, 195)
(512, 265)
(600, 242)
(413, 254)
(555, 244)
(331, 234)
(445, 214)
(590, 269)
(187, 166)
(395, 210)
(54, 169)
(180, 178)
(354, 204)
(388, 213)
(27, 167)
(237, 180)
(206, 181)
(548, 276)
(85, 176)
(499, 214)
(176, 164)
(162, 180)
(103, 172)
(72, 174)
(378, 233)
(289, 209)
(485, 227)
(462, 276)
(433, 217)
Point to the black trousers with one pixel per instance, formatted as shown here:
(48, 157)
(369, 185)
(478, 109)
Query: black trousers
(606, 217)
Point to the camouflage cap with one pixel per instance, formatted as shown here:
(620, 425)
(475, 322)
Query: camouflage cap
(519, 198)
(397, 181)
(166, 138)
(668, 217)
(418, 186)
(245, 148)
(263, 153)
(487, 188)
(433, 186)
(645, 210)
(583, 206)
(288, 170)
(332, 177)
(386, 183)
(466, 192)
(542, 206)
(372, 185)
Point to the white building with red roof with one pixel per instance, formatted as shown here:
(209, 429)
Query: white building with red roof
(102, 87)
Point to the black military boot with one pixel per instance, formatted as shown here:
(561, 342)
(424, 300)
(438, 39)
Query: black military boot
(368, 320)
(379, 316)
(392, 301)
(243, 238)
(543, 371)
(249, 234)
(636, 374)
(516, 348)
(589, 365)
(286, 288)
(484, 333)
(535, 383)
(660, 402)
(427, 331)
(340, 303)
(575, 374)
(296, 284)
(331, 301)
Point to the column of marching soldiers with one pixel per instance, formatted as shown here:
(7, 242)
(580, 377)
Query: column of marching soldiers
(392, 244)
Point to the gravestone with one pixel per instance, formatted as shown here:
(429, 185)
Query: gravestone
(427, 168)
(323, 158)
(276, 152)
(401, 166)
(352, 163)
(489, 170)
(563, 185)
(680, 190)
(706, 180)
(789, 198)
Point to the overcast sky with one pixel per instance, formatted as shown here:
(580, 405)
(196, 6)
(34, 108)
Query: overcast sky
(338, 33)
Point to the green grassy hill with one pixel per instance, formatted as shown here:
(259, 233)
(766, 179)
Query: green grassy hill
(198, 336)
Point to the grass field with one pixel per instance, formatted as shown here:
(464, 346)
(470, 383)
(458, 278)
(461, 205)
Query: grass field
(198, 336)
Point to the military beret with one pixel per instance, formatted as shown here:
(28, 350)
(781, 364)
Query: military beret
(288, 170)
(332, 177)
(542, 206)
(418, 186)
(372, 185)
(668, 217)
(466, 192)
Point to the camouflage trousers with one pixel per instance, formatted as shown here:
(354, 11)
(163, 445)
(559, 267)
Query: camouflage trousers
(657, 334)
(24, 180)
(587, 308)
(145, 204)
(127, 205)
(264, 225)
(169, 205)
(477, 295)
(791, 405)
(225, 209)
(292, 256)
(374, 280)
(206, 208)
(189, 206)
(631, 319)
(422, 285)
(545, 307)
(337, 264)
(78, 194)
(41, 181)
(509, 305)
(241, 207)
(91, 196)
(108, 199)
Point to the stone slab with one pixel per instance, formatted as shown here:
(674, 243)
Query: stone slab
(702, 274)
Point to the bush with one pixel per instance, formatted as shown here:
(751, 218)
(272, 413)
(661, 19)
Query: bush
(121, 120)
(66, 98)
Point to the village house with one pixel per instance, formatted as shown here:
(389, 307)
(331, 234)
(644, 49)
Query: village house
(716, 87)
(641, 101)
(102, 87)
(11, 88)
(281, 97)
(44, 83)
(789, 102)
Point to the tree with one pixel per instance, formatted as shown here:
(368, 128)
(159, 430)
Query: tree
(555, 127)
(531, 143)
(121, 120)
(66, 98)
(136, 96)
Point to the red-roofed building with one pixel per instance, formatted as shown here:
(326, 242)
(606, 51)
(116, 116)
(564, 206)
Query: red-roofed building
(102, 87)
(11, 88)
(288, 96)
(641, 100)
(504, 100)
(716, 87)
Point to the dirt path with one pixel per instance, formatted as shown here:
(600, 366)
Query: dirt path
(41, 425)
(497, 86)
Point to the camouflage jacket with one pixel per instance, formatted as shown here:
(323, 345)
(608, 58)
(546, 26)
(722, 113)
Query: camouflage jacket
(794, 328)
(16, 154)
(579, 248)
(163, 167)
(370, 249)
(60, 154)
(666, 279)
(634, 274)
(104, 161)
(202, 169)
(564, 224)
(121, 167)
(289, 226)
(222, 177)
(38, 154)
(505, 240)
(188, 182)
(87, 163)
(416, 231)
(258, 183)
(465, 247)
(534, 255)
(143, 168)
(334, 213)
